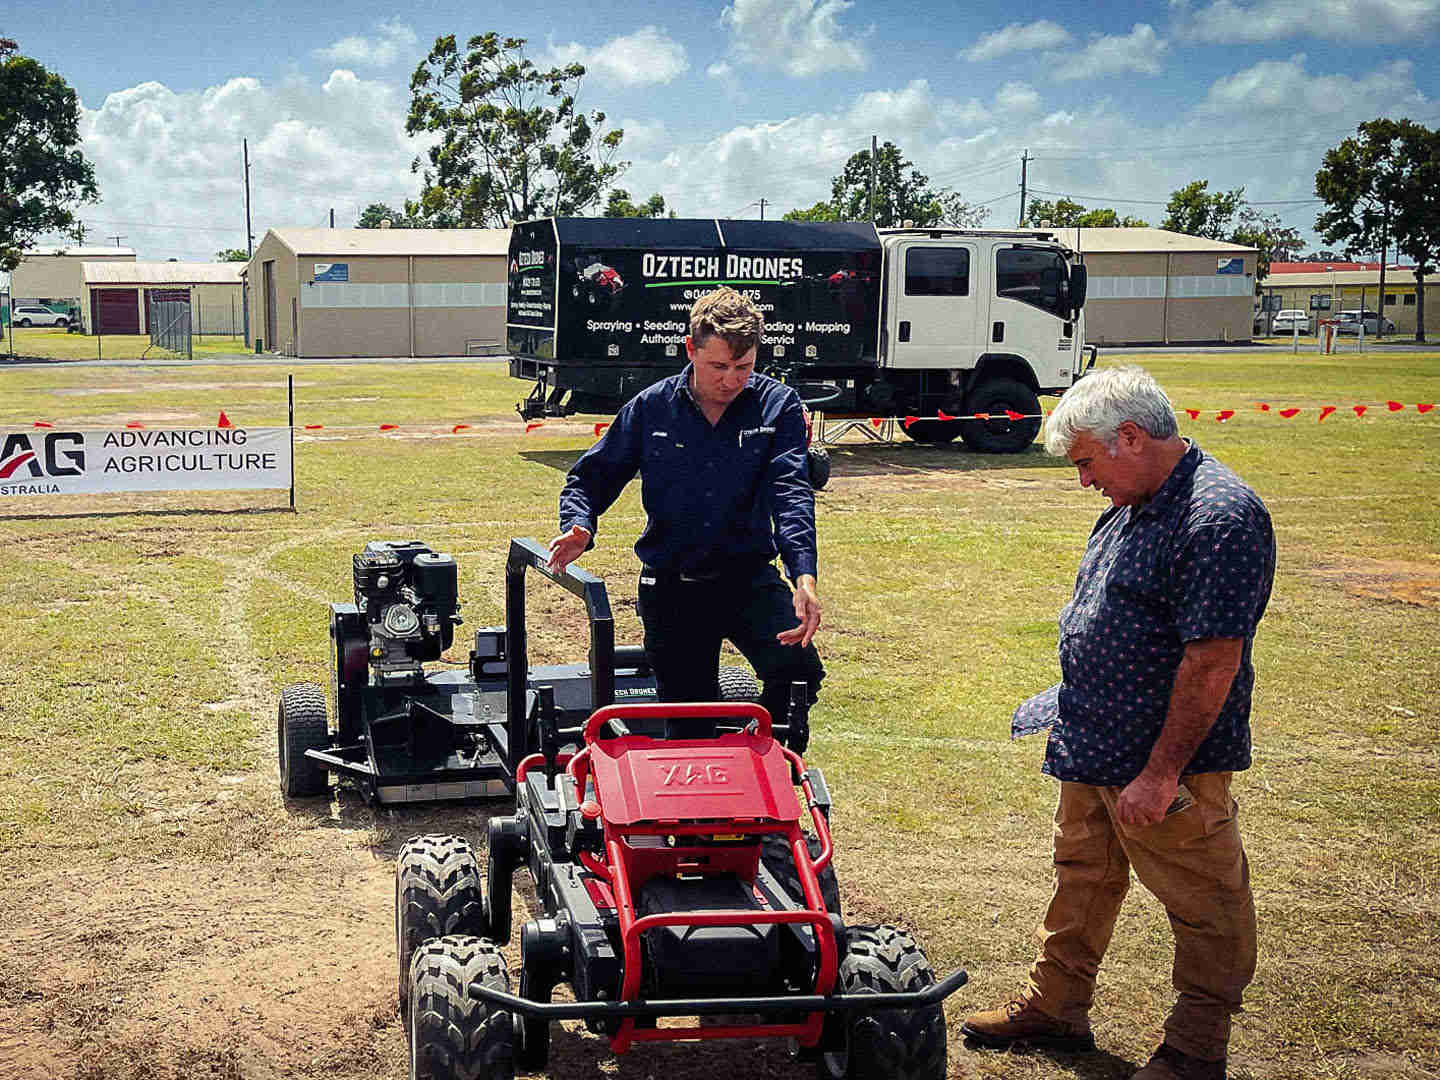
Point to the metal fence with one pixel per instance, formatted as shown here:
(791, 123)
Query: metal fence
(170, 322)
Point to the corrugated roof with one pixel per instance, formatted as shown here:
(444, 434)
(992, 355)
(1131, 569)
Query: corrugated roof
(394, 241)
(1393, 276)
(1136, 240)
(82, 252)
(162, 273)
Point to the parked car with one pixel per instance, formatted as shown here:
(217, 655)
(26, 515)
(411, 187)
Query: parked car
(1348, 322)
(34, 315)
(1290, 320)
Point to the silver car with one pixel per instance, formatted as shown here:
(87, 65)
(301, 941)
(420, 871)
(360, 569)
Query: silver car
(34, 315)
(1349, 323)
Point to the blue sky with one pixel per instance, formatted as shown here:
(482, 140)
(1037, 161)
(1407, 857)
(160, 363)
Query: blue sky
(726, 104)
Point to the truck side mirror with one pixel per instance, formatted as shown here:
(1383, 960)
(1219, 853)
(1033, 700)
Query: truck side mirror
(1079, 282)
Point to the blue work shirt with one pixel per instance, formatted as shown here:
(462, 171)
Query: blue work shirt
(1195, 562)
(716, 497)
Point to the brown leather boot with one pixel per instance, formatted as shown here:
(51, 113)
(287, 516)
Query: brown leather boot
(1167, 1063)
(1020, 1021)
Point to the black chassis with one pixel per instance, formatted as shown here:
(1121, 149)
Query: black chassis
(460, 734)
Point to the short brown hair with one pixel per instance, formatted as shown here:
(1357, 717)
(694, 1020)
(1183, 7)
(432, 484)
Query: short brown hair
(730, 316)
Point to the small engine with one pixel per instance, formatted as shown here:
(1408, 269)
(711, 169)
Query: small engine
(410, 599)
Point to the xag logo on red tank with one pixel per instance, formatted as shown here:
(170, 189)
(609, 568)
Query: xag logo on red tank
(689, 773)
(60, 453)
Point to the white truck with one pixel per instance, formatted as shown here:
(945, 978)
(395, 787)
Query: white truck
(939, 324)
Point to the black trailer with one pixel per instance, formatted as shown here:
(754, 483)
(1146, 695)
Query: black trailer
(598, 308)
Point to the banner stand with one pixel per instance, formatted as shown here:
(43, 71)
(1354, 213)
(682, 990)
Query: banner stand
(290, 399)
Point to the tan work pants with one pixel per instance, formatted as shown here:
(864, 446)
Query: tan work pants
(1194, 863)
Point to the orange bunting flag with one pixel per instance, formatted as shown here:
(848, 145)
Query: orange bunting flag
(979, 415)
(1326, 411)
(134, 424)
(1049, 411)
(1194, 414)
(533, 425)
(459, 428)
(600, 428)
(313, 427)
(1424, 408)
(1360, 409)
(389, 427)
(943, 414)
(908, 421)
(224, 421)
(1223, 415)
(1288, 413)
(1013, 415)
(1264, 406)
(43, 423)
(1394, 406)
(877, 422)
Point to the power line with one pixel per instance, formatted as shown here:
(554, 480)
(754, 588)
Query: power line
(1166, 202)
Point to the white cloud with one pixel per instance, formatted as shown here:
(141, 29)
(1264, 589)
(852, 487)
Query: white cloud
(1017, 97)
(1284, 86)
(393, 41)
(647, 56)
(1018, 37)
(169, 164)
(799, 37)
(1140, 50)
(1371, 21)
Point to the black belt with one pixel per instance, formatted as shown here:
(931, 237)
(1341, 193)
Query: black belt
(740, 569)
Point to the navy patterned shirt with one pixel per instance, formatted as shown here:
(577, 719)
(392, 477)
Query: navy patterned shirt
(1194, 562)
(715, 496)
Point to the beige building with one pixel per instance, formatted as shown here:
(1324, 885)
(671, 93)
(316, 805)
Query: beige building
(118, 295)
(1153, 286)
(1358, 290)
(378, 292)
(56, 275)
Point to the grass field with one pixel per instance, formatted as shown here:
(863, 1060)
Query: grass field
(166, 914)
(47, 343)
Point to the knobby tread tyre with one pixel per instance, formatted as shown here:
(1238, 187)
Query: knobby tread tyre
(738, 684)
(775, 854)
(437, 892)
(1001, 436)
(454, 1036)
(906, 1044)
(301, 726)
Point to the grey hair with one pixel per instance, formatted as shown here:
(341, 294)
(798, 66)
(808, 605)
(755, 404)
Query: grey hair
(1102, 401)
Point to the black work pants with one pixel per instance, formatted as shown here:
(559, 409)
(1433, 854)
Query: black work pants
(685, 621)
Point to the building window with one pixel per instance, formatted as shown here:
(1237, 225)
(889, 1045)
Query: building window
(1409, 299)
(937, 272)
(1389, 298)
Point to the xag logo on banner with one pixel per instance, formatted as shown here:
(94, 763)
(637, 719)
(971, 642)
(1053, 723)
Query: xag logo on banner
(28, 469)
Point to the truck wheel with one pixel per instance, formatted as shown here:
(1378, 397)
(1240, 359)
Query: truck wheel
(437, 892)
(738, 684)
(775, 854)
(934, 431)
(1000, 434)
(452, 1035)
(300, 726)
(817, 464)
(901, 1044)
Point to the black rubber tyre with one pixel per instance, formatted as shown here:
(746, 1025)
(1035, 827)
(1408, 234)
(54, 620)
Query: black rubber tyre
(738, 684)
(62, 322)
(437, 892)
(901, 1044)
(300, 726)
(22, 322)
(817, 465)
(775, 854)
(934, 431)
(1002, 435)
(452, 1035)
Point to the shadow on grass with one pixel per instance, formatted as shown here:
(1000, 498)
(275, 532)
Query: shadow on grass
(1088, 1064)
(347, 810)
(880, 459)
(579, 1055)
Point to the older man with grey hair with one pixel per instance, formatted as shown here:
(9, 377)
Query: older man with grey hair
(1150, 719)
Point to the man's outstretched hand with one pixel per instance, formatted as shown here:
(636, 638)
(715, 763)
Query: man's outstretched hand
(807, 610)
(566, 548)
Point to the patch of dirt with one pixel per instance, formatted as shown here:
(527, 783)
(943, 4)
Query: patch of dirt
(184, 387)
(1395, 580)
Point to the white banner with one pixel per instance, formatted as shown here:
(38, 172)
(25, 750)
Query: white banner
(60, 462)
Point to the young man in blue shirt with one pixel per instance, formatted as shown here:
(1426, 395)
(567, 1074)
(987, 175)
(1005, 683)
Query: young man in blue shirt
(721, 454)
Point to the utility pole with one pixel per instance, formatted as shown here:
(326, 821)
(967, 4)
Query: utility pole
(117, 239)
(762, 208)
(249, 233)
(332, 217)
(1380, 301)
(1024, 162)
(874, 155)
